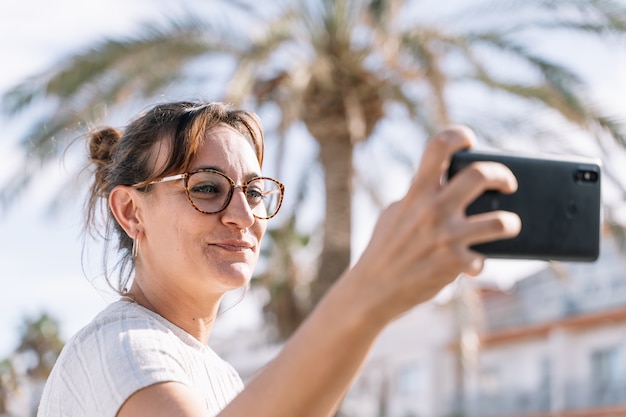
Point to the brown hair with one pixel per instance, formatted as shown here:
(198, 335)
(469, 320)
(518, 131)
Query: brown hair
(127, 158)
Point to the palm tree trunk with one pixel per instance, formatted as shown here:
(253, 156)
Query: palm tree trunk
(336, 159)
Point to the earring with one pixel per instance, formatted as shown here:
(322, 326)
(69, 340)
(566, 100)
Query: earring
(135, 250)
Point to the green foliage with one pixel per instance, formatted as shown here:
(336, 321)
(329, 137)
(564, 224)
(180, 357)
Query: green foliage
(283, 276)
(8, 384)
(81, 89)
(32, 361)
(41, 341)
(337, 66)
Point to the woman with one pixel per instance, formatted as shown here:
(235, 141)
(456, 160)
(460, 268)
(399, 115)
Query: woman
(186, 198)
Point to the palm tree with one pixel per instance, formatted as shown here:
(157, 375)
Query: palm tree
(8, 384)
(28, 367)
(284, 276)
(40, 339)
(337, 66)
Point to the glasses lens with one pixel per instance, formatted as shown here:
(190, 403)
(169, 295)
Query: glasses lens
(208, 191)
(263, 197)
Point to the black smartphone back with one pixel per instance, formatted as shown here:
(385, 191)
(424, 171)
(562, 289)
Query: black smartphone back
(558, 200)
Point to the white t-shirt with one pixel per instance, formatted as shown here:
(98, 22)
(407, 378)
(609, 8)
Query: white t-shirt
(128, 347)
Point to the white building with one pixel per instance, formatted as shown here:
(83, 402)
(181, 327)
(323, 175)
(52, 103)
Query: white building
(555, 345)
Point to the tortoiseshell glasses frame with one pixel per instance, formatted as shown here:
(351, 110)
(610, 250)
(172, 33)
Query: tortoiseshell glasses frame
(210, 191)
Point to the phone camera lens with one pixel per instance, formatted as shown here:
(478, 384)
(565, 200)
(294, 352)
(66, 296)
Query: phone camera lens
(586, 176)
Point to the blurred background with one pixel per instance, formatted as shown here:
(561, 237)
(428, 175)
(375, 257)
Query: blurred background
(349, 92)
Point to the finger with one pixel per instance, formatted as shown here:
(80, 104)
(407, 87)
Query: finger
(437, 155)
(458, 259)
(478, 177)
(475, 265)
(489, 226)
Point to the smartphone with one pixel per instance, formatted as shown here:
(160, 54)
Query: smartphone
(558, 200)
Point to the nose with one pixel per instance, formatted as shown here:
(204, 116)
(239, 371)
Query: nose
(238, 211)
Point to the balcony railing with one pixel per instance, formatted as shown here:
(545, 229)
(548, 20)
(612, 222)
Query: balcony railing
(582, 396)
(510, 403)
(546, 302)
(587, 395)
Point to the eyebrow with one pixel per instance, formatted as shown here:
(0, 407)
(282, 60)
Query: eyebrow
(218, 169)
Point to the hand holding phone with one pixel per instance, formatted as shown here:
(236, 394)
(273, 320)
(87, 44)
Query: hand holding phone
(558, 201)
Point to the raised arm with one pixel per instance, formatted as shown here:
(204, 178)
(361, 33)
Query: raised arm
(420, 244)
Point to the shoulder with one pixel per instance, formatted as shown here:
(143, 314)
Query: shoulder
(127, 348)
(125, 336)
(121, 351)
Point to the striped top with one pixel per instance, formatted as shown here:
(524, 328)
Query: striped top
(124, 349)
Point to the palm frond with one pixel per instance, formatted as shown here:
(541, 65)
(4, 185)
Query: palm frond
(427, 48)
(79, 91)
(564, 102)
(379, 12)
(249, 75)
(614, 126)
(337, 57)
(158, 49)
(595, 17)
(553, 72)
(550, 83)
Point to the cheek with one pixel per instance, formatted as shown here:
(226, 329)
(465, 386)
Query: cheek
(174, 232)
(259, 229)
(169, 243)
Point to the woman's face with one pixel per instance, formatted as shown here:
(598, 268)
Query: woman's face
(202, 254)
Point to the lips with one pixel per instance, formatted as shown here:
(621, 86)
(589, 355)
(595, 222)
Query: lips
(234, 245)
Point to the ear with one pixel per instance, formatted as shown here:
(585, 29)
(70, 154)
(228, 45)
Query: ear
(123, 201)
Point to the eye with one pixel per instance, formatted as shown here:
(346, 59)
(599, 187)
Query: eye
(255, 193)
(207, 190)
(255, 196)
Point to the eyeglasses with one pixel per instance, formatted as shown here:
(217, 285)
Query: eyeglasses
(210, 192)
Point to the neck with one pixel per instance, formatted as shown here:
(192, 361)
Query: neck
(195, 316)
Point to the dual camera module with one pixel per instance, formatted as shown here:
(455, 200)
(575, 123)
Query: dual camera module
(586, 175)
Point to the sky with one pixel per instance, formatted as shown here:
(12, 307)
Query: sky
(41, 256)
(41, 265)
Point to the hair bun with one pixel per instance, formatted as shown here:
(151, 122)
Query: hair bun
(102, 145)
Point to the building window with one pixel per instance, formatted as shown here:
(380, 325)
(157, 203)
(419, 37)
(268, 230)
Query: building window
(606, 365)
(606, 373)
(490, 383)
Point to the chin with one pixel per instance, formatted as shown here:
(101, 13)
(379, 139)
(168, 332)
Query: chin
(235, 276)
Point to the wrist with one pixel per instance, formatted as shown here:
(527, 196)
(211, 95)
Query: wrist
(362, 305)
